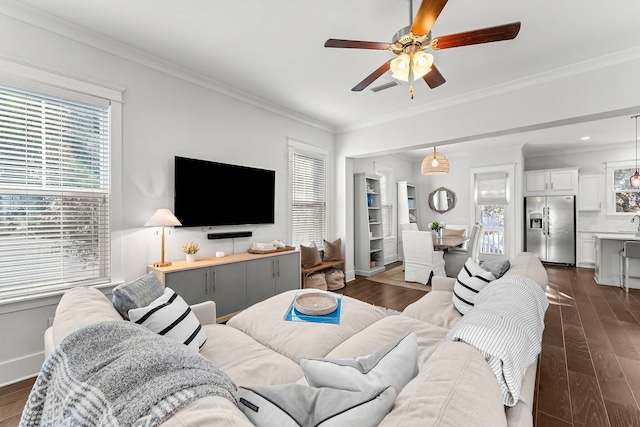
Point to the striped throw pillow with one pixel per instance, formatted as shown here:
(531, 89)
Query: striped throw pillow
(471, 279)
(172, 317)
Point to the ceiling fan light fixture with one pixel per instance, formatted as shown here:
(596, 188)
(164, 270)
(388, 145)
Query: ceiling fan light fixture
(400, 67)
(422, 63)
(435, 164)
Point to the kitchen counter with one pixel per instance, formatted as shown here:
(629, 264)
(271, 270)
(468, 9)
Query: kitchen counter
(607, 270)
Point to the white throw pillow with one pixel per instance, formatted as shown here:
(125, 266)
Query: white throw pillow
(471, 279)
(393, 365)
(295, 405)
(172, 317)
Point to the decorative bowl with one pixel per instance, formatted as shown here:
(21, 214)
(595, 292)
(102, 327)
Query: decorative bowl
(315, 303)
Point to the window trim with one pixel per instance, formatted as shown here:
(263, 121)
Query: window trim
(610, 193)
(29, 75)
(313, 151)
(510, 208)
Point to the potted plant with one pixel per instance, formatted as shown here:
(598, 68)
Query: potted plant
(373, 258)
(190, 249)
(438, 227)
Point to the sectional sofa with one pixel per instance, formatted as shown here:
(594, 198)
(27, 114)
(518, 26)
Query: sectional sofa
(454, 385)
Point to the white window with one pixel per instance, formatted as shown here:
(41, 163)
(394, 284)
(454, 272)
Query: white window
(386, 198)
(308, 196)
(54, 192)
(622, 198)
(491, 193)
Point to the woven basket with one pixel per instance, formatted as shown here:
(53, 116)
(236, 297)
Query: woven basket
(315, 303)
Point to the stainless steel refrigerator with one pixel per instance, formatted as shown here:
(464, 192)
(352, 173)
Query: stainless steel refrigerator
(550, 228)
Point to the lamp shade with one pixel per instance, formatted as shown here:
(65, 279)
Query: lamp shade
(435, 164)
(162, 217)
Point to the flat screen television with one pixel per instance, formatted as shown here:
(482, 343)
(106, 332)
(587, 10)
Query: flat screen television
(211, 193)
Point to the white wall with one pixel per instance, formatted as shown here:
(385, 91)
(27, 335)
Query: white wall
(164, 116)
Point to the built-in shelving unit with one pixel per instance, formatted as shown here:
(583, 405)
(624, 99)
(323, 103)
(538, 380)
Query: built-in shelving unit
(369, 238)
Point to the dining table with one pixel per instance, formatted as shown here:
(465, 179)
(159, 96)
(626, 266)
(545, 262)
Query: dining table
(447, 242)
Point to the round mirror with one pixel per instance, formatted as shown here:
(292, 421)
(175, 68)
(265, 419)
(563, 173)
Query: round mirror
(442, 200)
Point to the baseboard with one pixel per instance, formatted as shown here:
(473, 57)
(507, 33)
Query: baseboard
(20, 369)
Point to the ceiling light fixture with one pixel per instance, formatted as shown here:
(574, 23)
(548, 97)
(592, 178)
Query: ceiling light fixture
(585, 138)
(435, 164)
(635, 179)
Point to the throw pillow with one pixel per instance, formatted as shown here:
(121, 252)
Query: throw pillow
(138, 293)
(310, 256)
(471, 279)
(332, 250)
(295, 405)
(496, 266)
(172, 317)
(393, 365)
(334, 278)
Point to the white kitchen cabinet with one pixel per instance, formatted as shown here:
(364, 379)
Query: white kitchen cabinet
(586, 250)
(551, 182)
(590, 192)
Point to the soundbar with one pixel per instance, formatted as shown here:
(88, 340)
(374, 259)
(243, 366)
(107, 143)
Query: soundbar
(230, 235)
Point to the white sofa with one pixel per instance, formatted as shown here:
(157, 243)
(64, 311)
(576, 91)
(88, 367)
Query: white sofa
(454, 386)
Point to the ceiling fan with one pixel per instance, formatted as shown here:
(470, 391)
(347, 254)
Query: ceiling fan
(411, 42)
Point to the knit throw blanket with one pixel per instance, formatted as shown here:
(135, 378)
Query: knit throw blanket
(120, 374)
(506, 325)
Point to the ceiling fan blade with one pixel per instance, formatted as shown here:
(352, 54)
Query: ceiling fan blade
(427, 14)
(372, 77)
(356, 44)
(434, 78)
(484, 35)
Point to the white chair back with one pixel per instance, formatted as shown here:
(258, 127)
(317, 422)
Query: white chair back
(421, 261)
(474, 242)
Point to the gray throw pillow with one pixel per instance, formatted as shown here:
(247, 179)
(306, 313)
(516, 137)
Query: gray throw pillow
(393, 365)
(138, 293)
(497, 266)
(295, 405)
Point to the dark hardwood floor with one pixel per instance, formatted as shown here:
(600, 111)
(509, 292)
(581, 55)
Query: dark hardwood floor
(589, 368)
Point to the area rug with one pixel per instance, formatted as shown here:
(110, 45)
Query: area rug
(395, 277)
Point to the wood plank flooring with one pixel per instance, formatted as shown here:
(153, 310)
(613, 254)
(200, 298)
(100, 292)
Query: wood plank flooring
(589, 368)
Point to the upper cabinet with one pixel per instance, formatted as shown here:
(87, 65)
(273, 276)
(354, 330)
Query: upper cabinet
(590, 192)
(551, 182)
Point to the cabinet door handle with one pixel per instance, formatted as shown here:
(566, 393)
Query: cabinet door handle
(278, 260)
(214, 279)
(206, 282)
(273, 264)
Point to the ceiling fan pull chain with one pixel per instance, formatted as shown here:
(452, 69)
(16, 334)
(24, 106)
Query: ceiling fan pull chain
(411, 76)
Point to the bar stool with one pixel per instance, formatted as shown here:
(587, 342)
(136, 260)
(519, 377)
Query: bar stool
(630, 250)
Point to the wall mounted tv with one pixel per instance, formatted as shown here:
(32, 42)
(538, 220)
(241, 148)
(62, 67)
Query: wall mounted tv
(210, 193)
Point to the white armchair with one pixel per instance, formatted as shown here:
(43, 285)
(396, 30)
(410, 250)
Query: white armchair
(456, 257)
(421, 261)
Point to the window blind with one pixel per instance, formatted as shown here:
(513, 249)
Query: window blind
(309, 197)
(492, 189)
(54, 192)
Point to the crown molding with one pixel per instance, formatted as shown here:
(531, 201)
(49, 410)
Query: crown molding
(510, 86)
(44, 21)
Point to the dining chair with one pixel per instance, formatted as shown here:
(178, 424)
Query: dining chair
(421, 261)
(456, 257)
(630, 250)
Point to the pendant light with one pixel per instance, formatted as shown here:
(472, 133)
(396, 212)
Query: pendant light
(635, 179)
(435, 164)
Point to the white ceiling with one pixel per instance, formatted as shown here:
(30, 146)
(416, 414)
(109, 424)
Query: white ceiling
(273, 50)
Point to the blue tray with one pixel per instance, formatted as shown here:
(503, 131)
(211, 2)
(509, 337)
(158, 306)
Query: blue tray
(294, 315)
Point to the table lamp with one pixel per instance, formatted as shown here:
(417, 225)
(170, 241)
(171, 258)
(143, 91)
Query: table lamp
(162, 218)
